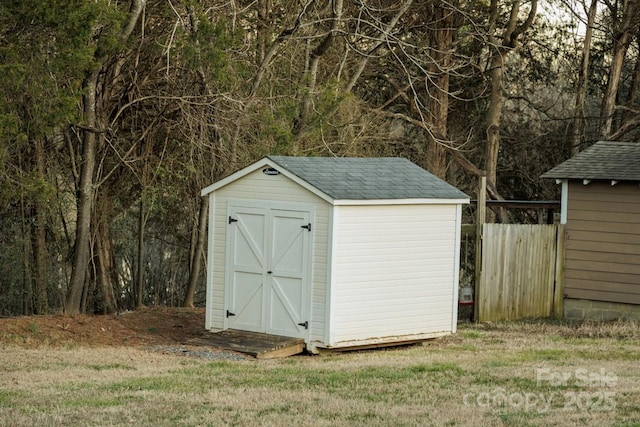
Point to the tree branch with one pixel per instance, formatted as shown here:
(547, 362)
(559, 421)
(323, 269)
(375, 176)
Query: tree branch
(132, 20)
(382, 37)
(283, 36)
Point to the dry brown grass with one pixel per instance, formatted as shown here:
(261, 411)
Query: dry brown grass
(456, 381)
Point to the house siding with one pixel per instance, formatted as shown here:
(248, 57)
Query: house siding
(603, 242)
(270, 189)
(393, 271)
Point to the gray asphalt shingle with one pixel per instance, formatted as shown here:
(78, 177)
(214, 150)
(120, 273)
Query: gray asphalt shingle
(368, 178)
(606, 160)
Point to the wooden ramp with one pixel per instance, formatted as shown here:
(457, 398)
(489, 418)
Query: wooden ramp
(260, 346)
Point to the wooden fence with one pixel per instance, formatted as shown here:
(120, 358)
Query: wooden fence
(521, 272)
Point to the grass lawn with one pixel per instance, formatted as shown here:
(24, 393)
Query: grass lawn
(517, 374)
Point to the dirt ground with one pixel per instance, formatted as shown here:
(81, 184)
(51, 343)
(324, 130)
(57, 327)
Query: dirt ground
(144, 327)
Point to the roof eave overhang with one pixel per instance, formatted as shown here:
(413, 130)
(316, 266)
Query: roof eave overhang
(418, 201)
(586, 180)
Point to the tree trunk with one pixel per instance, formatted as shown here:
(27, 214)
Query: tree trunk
(39, 240)
(86, 193)
(86, 184)
(634, 89)
(620, 46)
(27, 280)
(438, 95)
(139, 287)
(104, 260)
(194, 273)
(583, 78)
(502, 47)
(609, 99)
(494, 115)
(105, 272)
(262, 29)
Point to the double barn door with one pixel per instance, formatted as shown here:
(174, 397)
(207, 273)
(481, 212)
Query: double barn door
(267, 286)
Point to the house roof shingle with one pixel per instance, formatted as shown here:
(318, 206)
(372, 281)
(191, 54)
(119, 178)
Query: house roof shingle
(368, 178)
(604, 160)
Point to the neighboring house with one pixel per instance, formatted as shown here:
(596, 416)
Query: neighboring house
(341, 252)
(601, 210)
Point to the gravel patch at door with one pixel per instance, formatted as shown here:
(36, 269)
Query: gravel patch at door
(210, 354)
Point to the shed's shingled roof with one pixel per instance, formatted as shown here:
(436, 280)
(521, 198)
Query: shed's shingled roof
(606, 160)
(368, 178)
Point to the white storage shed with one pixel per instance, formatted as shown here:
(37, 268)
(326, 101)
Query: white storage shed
(342, 252)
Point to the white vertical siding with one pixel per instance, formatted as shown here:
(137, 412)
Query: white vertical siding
(209, 322)
(276, 189)
(394, 270)
(456, 269)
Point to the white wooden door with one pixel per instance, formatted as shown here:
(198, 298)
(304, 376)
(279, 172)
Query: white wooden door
(246, 253)
(268, 283)
(287, 287)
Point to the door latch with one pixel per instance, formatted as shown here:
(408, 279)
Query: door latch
(304, 324)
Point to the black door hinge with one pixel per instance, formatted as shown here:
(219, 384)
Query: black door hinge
(229, 314)
(308, 226)
(305, 324)
(232, 220)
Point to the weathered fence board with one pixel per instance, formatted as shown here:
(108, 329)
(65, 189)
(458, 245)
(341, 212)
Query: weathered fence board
(519, 271)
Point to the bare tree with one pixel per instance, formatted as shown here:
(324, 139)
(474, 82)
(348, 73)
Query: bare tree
(626, 19)
(502, 42)
(439, 72)
(86, 183)
(583, 78)
(311, 74)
